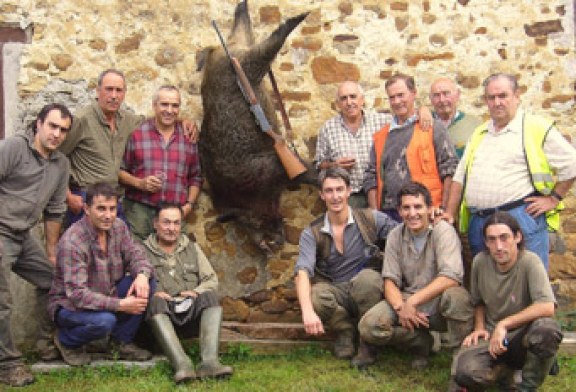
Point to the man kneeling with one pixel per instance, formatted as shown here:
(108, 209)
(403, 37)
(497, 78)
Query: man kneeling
(422, 274)
(514, 306)
(101, 283)
(186, 294)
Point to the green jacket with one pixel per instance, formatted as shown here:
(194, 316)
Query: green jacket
(186, 269)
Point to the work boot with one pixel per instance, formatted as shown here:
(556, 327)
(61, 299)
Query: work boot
(47, 350)
(366, 356)
(127, 351)
(72, 356)
(340, 322)
(422, 345)
(534, 372)
(165, 335)
(210, 367)
(16, 375)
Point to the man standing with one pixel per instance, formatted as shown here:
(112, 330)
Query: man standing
(33, 182)
(345, 139)
(98, 140)
(509, 165)
(101, 283)
(186, 296)
(403, 151)
(160, 165)
(422, 284)
(513, 324)
(445, 96)
(335, 251)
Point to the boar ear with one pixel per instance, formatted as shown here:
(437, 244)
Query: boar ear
(202, 57)
(241, 33)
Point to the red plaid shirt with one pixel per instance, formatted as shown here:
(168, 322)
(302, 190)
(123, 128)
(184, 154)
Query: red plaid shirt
(146, 155)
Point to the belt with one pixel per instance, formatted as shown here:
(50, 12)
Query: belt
(504, 207)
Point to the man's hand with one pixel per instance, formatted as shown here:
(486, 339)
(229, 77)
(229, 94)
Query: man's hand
(164, 295)
(189, 293)
(538, 205)
(312, 323)
(191, 131)
(447, 217)
(75, 203)
(425, 118)
(133, 305)
(346, 162)
(472, 339)
(410, 318)
(150, 184)
(497, 346)
(140, 286)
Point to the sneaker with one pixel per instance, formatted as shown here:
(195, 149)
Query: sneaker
(128, 352)
(72, 356)
(16, 376)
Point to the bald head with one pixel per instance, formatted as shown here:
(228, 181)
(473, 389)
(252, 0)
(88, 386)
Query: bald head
(445, 95)
(350, 100)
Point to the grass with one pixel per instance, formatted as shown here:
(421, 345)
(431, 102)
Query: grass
(309, 369)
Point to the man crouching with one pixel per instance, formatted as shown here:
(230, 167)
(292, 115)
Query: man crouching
(101, 283)
(333, 283)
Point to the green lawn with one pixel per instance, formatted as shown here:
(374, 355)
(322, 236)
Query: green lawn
(304, 370)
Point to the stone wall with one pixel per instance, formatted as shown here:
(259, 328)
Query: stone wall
(157, 42)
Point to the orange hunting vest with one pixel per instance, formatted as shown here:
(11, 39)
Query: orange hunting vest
(421, 157)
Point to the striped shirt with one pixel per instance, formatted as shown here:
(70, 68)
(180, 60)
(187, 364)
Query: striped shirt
(335, 141)
(148, 155)
(85, 275)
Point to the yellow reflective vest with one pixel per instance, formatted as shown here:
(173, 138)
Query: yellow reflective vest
(534, 132)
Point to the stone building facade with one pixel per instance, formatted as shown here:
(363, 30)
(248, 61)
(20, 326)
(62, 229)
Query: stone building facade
(53, 50)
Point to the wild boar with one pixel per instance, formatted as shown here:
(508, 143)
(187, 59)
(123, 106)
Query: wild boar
(238, 160)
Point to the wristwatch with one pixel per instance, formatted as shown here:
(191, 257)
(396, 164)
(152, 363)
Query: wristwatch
(145, 273)
(192, 204)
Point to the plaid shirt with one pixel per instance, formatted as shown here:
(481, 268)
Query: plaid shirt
(85, 276)
(146, 154)
(335, 141)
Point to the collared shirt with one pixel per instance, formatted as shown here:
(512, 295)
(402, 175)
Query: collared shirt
(30, 185)
(411, 270)
(499, 172)
(185, 269)
(341, 267)
(94, 151)
(86, 275)
(396, 170)
(335, 141)
(147, 154)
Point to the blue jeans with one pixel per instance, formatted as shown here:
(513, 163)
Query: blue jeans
(77, 328)
(534, 230)
(72, 218)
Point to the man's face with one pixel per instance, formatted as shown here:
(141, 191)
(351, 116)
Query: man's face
(52, 132)
(166, 108)
(111, 93)
(444, 96)
(335, 194)
(502, 101)
(168, 225)
(102, 212)
(415, 213)
(401, 100)
(350, 101)
(502, 245)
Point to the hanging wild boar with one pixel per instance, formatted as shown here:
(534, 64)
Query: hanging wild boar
(238, 160)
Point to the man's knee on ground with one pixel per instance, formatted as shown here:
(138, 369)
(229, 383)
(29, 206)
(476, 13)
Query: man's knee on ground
(455, 303)
(543, 337)
(376, 325)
